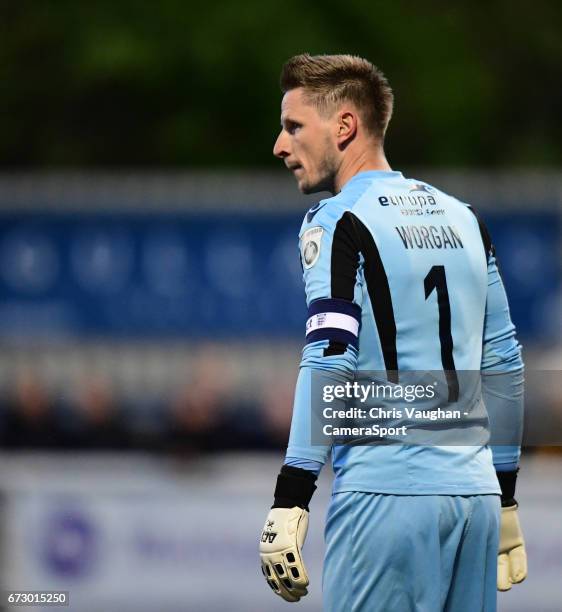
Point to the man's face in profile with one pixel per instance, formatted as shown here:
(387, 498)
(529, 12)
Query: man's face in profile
(306, 144)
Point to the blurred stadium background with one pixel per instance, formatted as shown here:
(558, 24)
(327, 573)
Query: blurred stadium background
(151, 302)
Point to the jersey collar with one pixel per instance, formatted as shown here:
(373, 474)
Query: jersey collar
(371, 174)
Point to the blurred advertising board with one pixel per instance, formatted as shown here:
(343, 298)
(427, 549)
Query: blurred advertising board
(131, 275)
(140, 537)
(139, 534)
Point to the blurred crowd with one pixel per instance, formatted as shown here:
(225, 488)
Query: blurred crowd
(205, 411)
(201, 414)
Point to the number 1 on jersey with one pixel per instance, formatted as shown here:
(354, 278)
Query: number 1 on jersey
(437, 280)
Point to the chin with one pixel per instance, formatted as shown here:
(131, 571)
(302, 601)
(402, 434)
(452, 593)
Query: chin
(302, 186)
(307, 188)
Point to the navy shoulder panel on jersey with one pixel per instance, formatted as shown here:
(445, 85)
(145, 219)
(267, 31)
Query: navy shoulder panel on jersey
(486, 238)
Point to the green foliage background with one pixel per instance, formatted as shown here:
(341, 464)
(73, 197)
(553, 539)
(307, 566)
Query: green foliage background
(180, 84)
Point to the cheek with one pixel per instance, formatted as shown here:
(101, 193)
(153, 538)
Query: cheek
(297, 146)
(305, 153)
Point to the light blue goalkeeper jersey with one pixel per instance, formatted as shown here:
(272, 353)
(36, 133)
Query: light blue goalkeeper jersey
(400, 276)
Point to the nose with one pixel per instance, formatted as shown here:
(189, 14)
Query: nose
(280, 146)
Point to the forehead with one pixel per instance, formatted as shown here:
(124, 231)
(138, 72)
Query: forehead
(295, 105)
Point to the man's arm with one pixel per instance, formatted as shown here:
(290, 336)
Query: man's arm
(502, 376)
(502, 391)
(330, 258)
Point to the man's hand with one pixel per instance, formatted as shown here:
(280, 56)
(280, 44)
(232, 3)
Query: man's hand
(512, 558)
(281, 541)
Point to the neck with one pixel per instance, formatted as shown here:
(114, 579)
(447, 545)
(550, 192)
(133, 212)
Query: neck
(353, 164)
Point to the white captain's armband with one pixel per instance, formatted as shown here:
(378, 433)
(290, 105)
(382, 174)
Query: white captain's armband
(333, 319)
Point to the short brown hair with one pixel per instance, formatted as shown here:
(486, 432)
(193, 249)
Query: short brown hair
(330, 79)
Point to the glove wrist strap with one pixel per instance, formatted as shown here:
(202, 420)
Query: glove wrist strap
(295, 487)
(507, 484)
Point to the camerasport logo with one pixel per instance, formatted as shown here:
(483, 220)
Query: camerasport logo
(310, 246)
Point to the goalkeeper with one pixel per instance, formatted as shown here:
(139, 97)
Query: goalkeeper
(399, 276)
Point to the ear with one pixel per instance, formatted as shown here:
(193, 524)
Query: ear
(346, 127)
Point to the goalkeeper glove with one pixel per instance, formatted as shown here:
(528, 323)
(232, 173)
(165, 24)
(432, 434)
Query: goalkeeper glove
(284, 533)
(512, 558)
(280, 551)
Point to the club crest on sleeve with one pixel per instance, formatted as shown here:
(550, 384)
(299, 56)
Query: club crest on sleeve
(310, 246)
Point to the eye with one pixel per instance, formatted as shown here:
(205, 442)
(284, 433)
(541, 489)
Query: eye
(292, 127)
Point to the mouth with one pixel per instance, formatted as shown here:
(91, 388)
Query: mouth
(294, 167)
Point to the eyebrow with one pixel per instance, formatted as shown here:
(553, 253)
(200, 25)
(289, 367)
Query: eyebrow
(286, 119)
